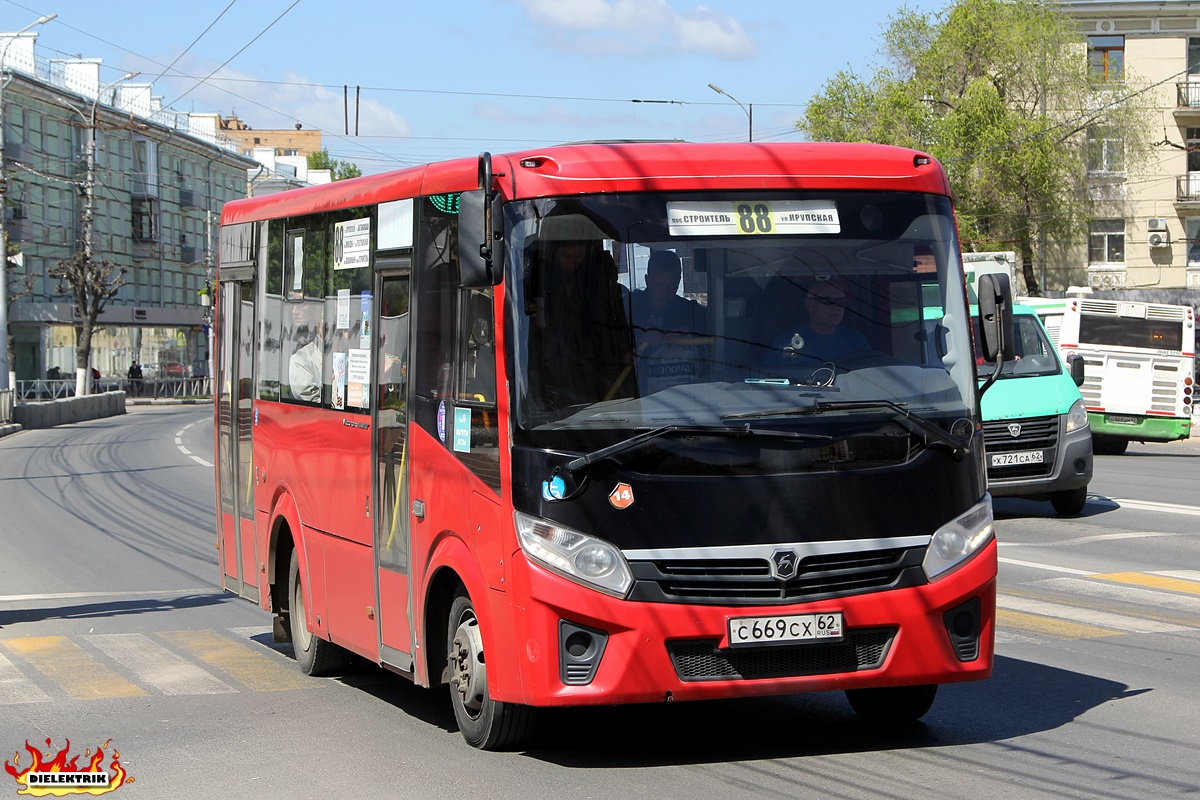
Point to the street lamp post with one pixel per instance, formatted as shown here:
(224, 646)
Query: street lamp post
(749, 111)
(4, 78)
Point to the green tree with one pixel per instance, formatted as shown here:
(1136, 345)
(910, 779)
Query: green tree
(340, 170)
(91, 284)
(1000, 92)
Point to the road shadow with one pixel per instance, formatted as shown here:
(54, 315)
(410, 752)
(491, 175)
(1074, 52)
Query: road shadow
(1023, 508)
(115, 608)
(1021, 698)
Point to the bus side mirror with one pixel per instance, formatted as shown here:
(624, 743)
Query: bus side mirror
(478, 217)
(1075, 365)
(995, 317)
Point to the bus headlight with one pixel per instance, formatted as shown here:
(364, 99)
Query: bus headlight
(1077, 417)
(958, 540)
(576, 556)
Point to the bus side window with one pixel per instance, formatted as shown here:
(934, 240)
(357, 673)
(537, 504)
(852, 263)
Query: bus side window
(477, 358)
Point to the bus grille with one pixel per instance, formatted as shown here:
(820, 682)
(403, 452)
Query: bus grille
(701, 660)
(1037, 433)
(746, 581)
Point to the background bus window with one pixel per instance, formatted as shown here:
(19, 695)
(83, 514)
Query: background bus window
(346, 377)
(305, 348)
(477, 356)
(271, 318)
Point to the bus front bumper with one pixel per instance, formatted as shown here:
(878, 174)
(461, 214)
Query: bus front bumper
(655, 652)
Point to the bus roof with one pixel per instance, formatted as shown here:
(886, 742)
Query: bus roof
(596, 167)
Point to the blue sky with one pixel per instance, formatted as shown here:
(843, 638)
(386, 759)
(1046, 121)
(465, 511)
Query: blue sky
(447, 79)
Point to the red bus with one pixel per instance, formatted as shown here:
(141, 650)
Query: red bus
(570, 427)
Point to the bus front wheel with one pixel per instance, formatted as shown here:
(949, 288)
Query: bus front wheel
(485, 723)
(892, 704)
(315, 655)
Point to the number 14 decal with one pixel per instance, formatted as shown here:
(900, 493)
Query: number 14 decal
(621, 496)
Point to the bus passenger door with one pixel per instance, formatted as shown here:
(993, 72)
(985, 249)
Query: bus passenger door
(391, 466)
(235, 474)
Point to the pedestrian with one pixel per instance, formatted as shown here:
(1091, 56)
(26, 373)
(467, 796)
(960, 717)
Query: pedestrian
(135, 378)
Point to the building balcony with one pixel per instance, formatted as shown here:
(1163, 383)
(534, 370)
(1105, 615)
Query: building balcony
(1187, 193)
(1187, 102)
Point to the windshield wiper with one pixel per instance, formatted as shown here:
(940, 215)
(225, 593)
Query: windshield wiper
(575, 465)
(914, 423)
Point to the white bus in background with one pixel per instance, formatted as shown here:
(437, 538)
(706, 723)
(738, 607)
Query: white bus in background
(1139, 381)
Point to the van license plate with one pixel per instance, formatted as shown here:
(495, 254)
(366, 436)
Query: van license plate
(1010, 459)
(789, 629)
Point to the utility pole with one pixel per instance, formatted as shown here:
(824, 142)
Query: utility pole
(4, 79)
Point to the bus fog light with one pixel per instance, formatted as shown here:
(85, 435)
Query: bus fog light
(958, 540)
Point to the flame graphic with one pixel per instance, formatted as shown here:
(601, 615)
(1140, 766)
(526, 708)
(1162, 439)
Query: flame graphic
(59, 763)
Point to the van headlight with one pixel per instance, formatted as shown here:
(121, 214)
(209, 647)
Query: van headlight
(1077, 417)
(959, 539)
(576, 556)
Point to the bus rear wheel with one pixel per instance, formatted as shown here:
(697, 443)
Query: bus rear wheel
(485, 723)
(315, 655)
(892, 705)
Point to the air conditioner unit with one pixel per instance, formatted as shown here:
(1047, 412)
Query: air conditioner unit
(1156, 224)
(1159, 239)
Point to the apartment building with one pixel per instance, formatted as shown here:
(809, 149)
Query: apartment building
(1146, 232)
(159, 180)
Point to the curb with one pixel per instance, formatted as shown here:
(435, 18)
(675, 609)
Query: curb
(8, 428)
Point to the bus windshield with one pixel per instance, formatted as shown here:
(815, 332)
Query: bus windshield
(630, 312)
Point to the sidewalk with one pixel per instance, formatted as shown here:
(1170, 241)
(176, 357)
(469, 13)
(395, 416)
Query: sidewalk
(9, 428)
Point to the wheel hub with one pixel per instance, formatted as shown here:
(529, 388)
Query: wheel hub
(468, 672)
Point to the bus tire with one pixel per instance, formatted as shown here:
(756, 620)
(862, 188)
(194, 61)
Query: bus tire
(1069, 503)
(316, 656)
(892, 704)
(485, 723)
(1109, 445)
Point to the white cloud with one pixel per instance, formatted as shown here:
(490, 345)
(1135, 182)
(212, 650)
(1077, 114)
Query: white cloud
(620, 27)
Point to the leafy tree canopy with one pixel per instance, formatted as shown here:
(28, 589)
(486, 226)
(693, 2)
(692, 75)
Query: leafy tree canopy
(340, 170)
(1000, 92)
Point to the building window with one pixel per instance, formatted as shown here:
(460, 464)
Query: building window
(1106, 241)
(1105, 150)
(1106, 57)
(145, 220)
(145, 167)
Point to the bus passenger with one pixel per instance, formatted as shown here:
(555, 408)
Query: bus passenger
(822, 337)
(305, 364)
(584, 342)
(668, 327)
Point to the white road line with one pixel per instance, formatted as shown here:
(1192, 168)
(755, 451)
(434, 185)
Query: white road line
(1051, 567)
(16, 688)
(1100, 537)
(1182, 574)
(1128, 594)
(37, 598)
(1088, 616)
(158, 667)
(185, 451)
(1149, 505)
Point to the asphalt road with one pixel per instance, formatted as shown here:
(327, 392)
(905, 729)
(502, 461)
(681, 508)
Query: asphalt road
(112, 627)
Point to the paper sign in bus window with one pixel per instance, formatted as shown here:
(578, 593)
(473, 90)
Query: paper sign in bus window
(462, 430)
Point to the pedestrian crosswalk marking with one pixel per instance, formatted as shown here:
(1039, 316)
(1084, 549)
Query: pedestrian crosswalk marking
(256, 670)
(1159, 601)
(16, 688)
(156, 666)
(1120, 623)
(1061, 629)
(71, 667)
(1153, 581)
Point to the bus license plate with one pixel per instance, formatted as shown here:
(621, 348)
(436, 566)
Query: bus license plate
(1119, 420)
(825, 627)
(1009, 459)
